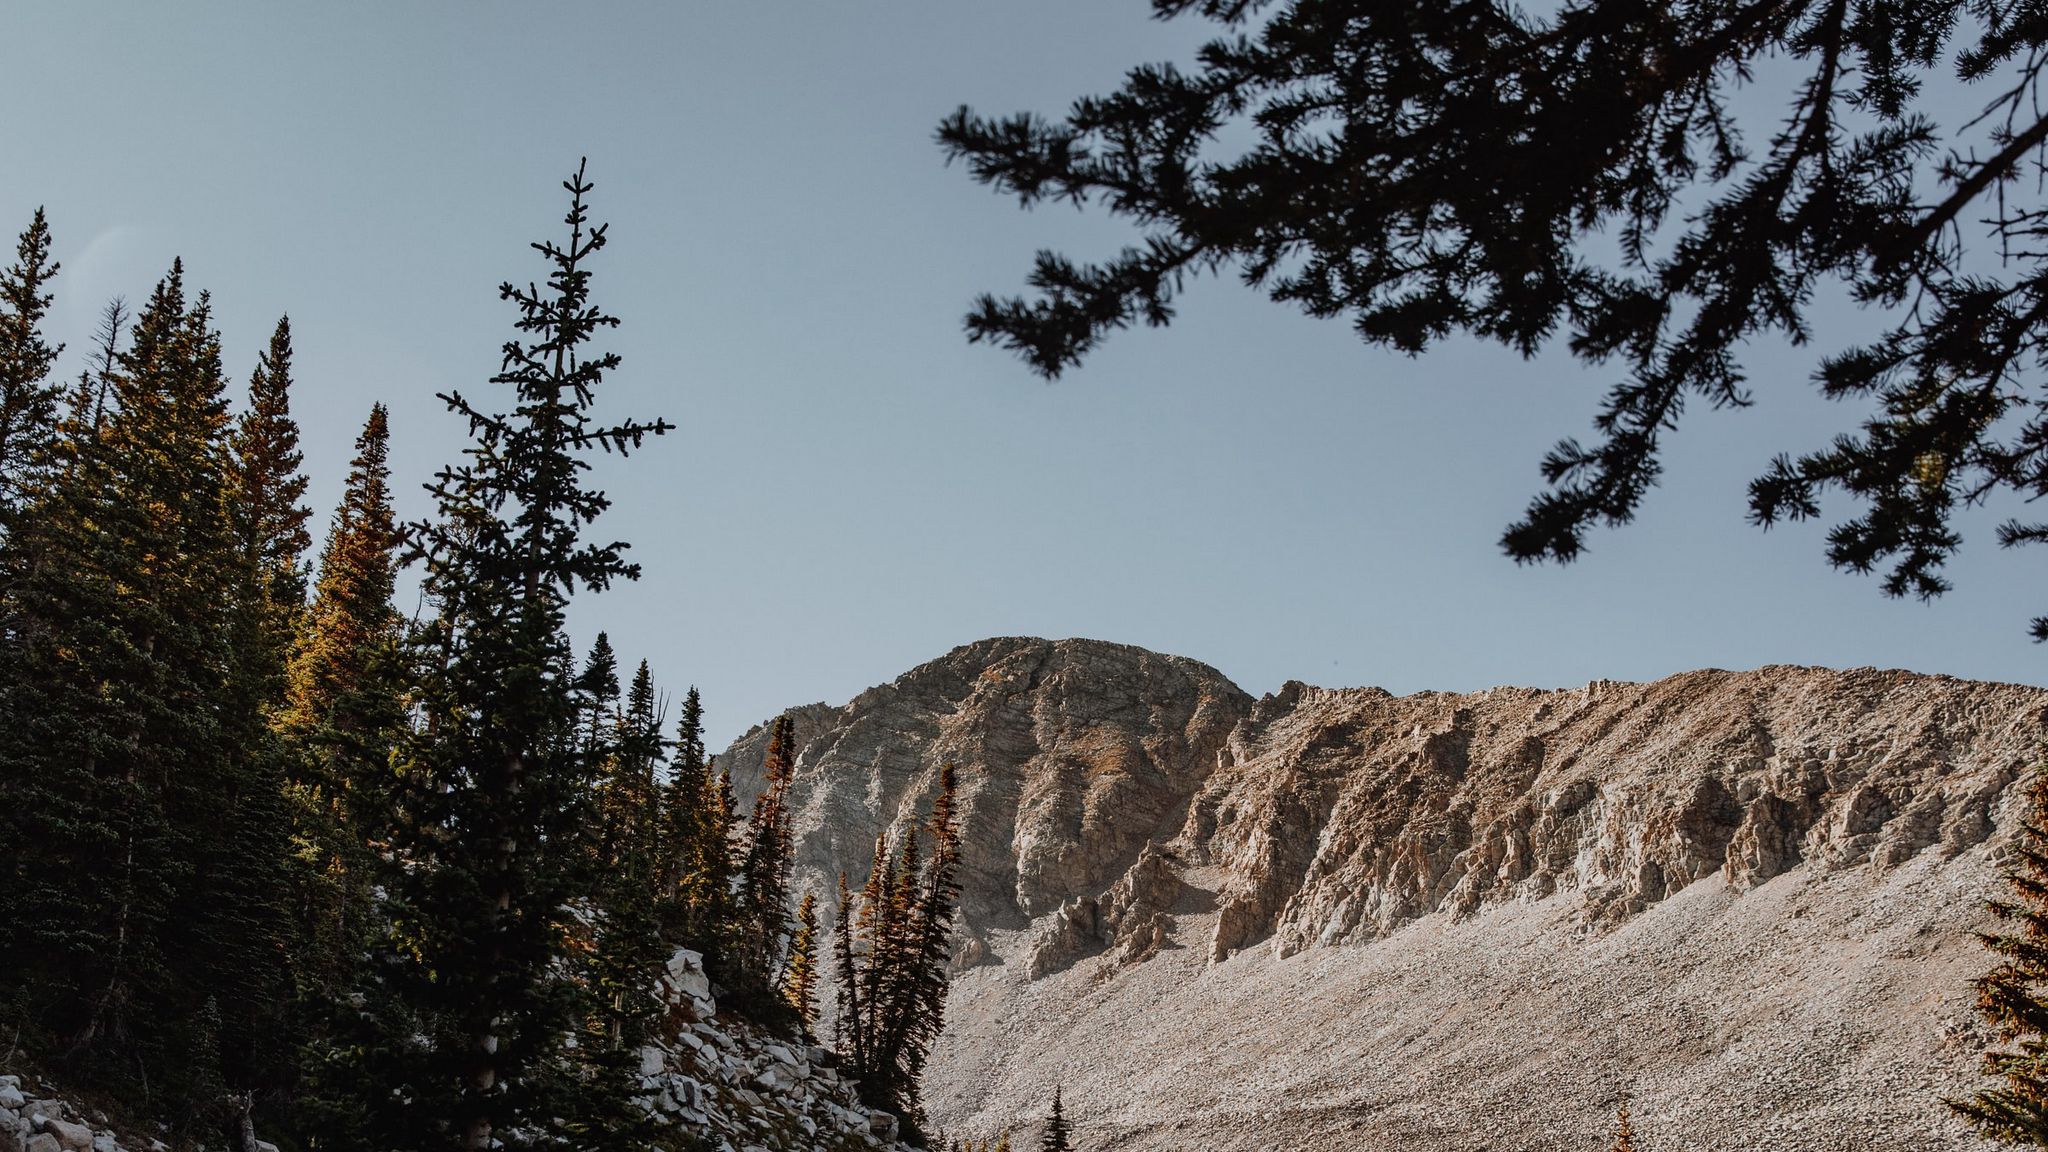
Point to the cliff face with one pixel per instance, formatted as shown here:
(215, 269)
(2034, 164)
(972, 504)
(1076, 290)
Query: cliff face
(1074, 756)
(1136, 826)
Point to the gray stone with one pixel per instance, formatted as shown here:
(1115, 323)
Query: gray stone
(104, 1142)
(883, 1125)
(11, 1097)
(70, 1137)
(42, 1142)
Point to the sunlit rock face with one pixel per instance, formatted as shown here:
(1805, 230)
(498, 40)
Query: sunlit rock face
(1149, 852)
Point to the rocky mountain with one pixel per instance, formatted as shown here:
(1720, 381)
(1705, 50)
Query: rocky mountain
(1741, 902)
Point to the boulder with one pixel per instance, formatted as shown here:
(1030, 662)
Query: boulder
(70, 1137)
(11, 1097)
(42, 1142)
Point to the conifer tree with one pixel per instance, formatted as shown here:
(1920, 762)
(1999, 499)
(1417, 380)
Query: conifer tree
(249, 881)
(472, 991)
(695, 861)
(800, 976)
(351, 623)
(756, 952)
(890, 954)
(28, 395)
(598, 687)
(1624, 1134)
(629, 954)
(118, 771)
(86, 405)
(344, 712)
(1055, 1137)
(270, 520)
(2013, 996)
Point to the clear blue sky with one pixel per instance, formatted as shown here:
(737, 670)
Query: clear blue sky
(855, 489)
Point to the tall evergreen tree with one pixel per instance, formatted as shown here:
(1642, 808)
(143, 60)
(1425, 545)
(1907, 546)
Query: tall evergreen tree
(2013, 996)
(28, 395)
(695, 860)
(755, 953)
(117, 767)
(629, 954)
(1055, 1138)
(351, 623)
(270, 518)
(499, 788)
(345, 710)
(249, 882)
(800, 975)
(598, 688)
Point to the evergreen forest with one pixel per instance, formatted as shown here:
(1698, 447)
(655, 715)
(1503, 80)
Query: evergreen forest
(280, 857)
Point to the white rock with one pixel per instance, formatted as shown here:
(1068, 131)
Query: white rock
(104, 1142)
(10, 1096)
(651, 1060)
(70, 1137)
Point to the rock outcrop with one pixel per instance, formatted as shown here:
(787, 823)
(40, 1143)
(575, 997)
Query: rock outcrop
(741, 1089)
(1150, 852)
(1077, 756)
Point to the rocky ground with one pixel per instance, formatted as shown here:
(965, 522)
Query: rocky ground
(717, 1083)
(1740, 902)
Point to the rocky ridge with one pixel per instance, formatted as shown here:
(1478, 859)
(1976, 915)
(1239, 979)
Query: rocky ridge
(1781, 866)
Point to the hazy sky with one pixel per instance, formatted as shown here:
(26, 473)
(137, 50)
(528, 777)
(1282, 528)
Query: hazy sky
(855, 489)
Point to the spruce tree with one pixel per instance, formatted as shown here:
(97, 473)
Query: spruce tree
(345, 709)
(28, 396)
(1055, 1136)
(598, 688)
(628, 945)
(499, 790)
(249, 882)
(695, 859)
(270, 520)
(891, 957)
(120, 773)
(755, 952)
(2013, 996)
(800, 975)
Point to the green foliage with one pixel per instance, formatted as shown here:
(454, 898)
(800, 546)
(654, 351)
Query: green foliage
(495, 783)
(891, 954)
(754, 947)
(1577, 172)
(800, 975)
(28, 395)
(1055, 1138)
(144, 867)
(2013, 996)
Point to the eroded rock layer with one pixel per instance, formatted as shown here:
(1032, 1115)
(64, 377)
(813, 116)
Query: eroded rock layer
(1143, 839)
